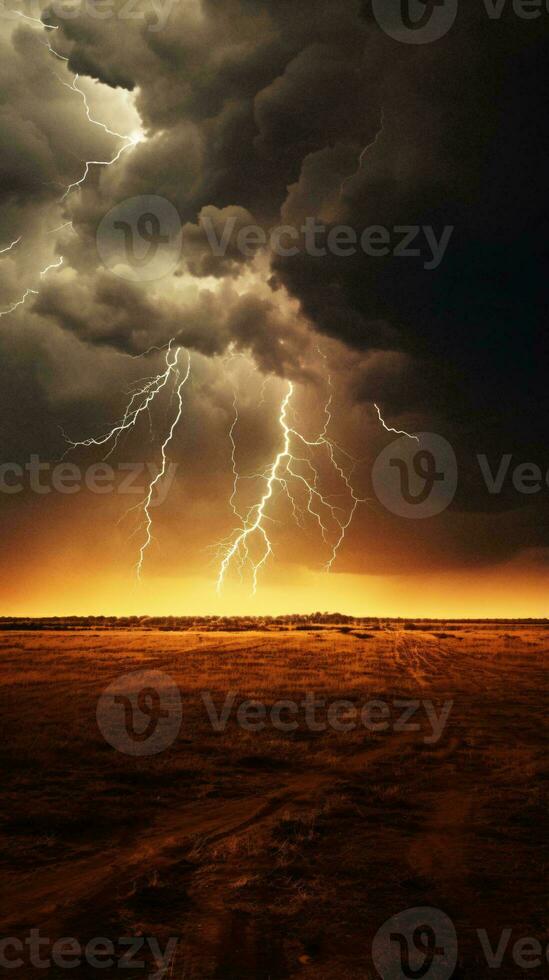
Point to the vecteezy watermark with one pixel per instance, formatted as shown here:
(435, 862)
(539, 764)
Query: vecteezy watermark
(415, 21)
(153, 13)
(141, 239)
(316, 714)
(318, 240)
(42, 477)
(527, 478)
(425, 21)
(99, 953)
(140, 713)
(422, 943)
(416, 943)
(416, 477)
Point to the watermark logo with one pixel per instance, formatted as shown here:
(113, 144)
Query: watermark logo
(416, 479)
(140, 238)
(424, 21)
(415, 21)
(424, 718)
(43, 477)
(422, 943)
(99, 953)
(140, 713)
(153, 14)
(417, 944)
(424, 243)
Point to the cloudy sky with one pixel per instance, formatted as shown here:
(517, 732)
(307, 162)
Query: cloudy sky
(224, 114)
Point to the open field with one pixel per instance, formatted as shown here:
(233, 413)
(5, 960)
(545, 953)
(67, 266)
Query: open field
(271, 853)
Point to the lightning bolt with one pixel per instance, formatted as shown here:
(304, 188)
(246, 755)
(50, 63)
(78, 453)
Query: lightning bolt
(397, 432)
(293, 473)
(232, 498)
(254, 524)
(33, 20)
(363, 154)
(66, 224)
(73, 87)
(141, 399)
(19, 302)
(53, 265)
(228, 359)
(32, 292)
(9, 247)
(139, 403)
(285, 472)
(128, 141)
(265, 382)
(146, 503)
(97, 163)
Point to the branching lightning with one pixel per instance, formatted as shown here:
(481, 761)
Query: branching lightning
(97, 163)
(140, 402)
(291, 471)
(73, 87)
(397, 432)
(127, 142)
(295, 471)
(32, 292)
(146, 503)
(33, 20)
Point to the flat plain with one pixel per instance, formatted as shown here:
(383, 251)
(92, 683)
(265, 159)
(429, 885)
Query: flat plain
(270, 853)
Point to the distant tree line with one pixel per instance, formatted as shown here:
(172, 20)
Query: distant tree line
(241, 623)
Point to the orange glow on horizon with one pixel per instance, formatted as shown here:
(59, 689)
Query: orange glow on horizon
(507, 592)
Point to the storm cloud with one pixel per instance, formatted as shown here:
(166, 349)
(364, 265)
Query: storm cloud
(272, 112)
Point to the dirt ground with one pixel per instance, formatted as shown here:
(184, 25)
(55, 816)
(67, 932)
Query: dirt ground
(270, 854)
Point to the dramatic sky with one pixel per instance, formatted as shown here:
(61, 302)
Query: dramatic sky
(273, 112)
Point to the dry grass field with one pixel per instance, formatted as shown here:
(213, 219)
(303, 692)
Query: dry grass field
(275, 854)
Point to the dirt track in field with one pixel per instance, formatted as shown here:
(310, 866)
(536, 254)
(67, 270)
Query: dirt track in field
(270, 854)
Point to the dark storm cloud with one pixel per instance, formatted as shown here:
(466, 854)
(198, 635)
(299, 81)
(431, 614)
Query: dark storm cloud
(200, 259)
(260, 110)
(259, 85)
(464, 144)
(44, 133)
(106, 311)
(110, 311)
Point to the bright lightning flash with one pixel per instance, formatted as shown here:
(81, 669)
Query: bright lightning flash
(20, 302)
(32, 292)
(140, 402)
(293, 470)
(127, 142)
(9, 247)
(397, 432)
(289, 473)
(147, 502)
